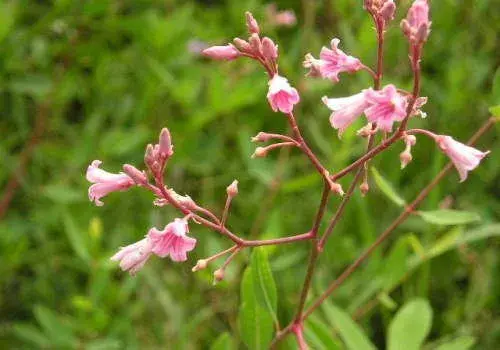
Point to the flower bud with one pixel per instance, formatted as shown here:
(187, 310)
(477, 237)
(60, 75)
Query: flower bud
(242, 45)
(410, 140)
(149, 157)
(261, 137)
(200, 265)
(218, 275)
(165, 148)
(252, 25)
(269, 49)
(232, 189)
(222, 53)
(387, 11)
(256, 44)
(135, 174)
(364, 188)
(260, 152)
(405, 158)
(337, 188)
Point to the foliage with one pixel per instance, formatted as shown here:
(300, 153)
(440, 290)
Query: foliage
(80, 78)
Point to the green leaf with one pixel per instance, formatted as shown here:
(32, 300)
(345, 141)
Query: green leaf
(264, 285)
(387, 188)
(461, 343)
(223, 342)
(76, 238)
(350, 332)
(319, 335)
(411, 325)
(256, 325)
(394, 265)
(58, 330)
(449, 217)
(31, 334)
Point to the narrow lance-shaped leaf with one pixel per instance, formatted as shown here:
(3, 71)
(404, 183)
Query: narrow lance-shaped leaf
(387, 188)
(263, 281)
(352, 334)
(449, 217)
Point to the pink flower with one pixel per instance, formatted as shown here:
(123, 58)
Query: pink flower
(386, 107)
(172, 240)
(133, 257)
(345, 110)
(465, 158)
(227, 52)
(332, 62)
(417, 26)
(281, 95)
(104, 182)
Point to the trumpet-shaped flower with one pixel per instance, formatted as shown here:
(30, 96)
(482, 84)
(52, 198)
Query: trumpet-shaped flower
(386, 106)
(465, 158)
(172, 240)
(281, 96)
(345, 110)
(133, 257)
(105, 182)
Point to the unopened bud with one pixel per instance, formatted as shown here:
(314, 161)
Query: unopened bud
(232, 189)
(405, 158)
(200, 265)
(337, 188)
(260, 152)
(135, 174)
(269, 49)
(364, 188)
(222, 53)
(410, 140)
(242, 45)
(165, 148)
(387, 11)
(218, 275)
(261, 137)
(149, 157)
(256, 44)
(252, 25)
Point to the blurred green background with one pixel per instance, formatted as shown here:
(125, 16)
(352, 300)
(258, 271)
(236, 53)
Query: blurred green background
(98, 79)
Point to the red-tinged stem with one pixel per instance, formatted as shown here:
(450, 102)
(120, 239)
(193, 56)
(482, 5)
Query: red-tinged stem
(231, 257)
(401, 218)
(208, 213)
(423, 132)
(226, 211)
(279, 145)
(305, 148)
(218, 255)
(321, 209)
(275, 241)
(277, 137)
(298, 330)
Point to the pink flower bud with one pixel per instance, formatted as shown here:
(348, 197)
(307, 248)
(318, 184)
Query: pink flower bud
(242, 45)
(149, 157)
(405, 158)
(387, 11)
(260, 152)
(219, 275)
(364, 188)
(261, 137)
(200, 265)
(165, 149)
(417, 26)
(256, 44)
(232, 189)
(133, 257)
(269, 49)
(252, 25)
(337, 188)
(135, 174)
(227, 52)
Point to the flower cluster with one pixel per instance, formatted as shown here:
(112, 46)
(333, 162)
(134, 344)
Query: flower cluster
(383, 106)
